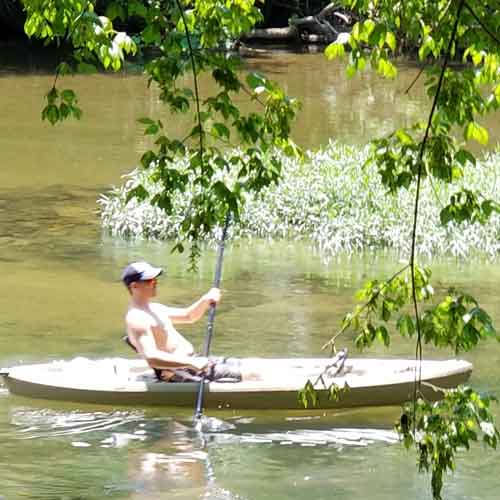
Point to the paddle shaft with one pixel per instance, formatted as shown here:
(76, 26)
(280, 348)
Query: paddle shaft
(211, 317)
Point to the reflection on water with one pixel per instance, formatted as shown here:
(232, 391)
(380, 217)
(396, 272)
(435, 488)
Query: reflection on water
(119, 428)
(306, 437)
(100, 454)
(130, 454)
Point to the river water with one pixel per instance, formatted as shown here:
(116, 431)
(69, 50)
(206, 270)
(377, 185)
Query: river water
(61, 297)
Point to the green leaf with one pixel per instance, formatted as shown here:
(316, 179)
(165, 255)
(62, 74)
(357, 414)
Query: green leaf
(68, 96)
(404, 137)
(476, 132)
(405, 325)
(114, 10)
(360, 63)
(386, 68)
(152, 129)
(139, 193)
(334, 50)
(76, 112)
(463, 156)
(446, 215)
(220, 130)
(377, 36)
(146, 121)
(367, 28)
(497, 93)
(308, 395)
(429, 46)
(335, 392)
(178, 247)
(390, 40)
(350, 70)
(383, 335)
(51, 113)
(386, 311)
(64, 111)
(64, 69)
(52, 95)
(490, 206)
(477, 57)
(256, 80)
(151, 34)
(148, 158)
(136, 8)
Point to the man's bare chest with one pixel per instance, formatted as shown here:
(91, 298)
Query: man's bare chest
(160, 336)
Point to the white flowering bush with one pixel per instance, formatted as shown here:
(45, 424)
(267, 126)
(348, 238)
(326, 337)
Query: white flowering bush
(333, 200)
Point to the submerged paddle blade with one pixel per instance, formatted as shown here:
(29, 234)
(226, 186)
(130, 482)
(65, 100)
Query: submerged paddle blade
(212, 424)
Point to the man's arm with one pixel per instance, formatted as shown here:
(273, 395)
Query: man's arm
(195, 311)
(157, 358)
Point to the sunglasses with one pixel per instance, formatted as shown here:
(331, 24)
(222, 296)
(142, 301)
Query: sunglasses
(152, 281)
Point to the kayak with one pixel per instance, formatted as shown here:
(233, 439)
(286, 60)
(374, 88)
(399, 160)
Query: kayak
(121, 381)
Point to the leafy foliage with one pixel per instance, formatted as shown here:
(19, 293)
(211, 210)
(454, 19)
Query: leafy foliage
(60, 106)
(465, 94)
(188, 39)
(439, 430)
(310, 395)
(456, 321)
(93, 38)
(439, 32)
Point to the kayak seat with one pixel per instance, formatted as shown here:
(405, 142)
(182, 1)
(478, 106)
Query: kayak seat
(158, 373)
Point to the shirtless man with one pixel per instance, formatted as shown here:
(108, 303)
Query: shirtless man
(151, 331)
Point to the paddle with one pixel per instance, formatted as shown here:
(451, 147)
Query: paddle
(210, 328)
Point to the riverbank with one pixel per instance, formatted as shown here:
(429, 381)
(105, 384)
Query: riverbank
(334, 201)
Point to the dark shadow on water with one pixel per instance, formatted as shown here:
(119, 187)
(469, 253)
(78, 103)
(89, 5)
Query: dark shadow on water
(48, 222)
(25, 57)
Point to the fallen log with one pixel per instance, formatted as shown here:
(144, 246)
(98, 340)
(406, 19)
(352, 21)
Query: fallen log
(323, 27)
(312, 28)
(273, 34)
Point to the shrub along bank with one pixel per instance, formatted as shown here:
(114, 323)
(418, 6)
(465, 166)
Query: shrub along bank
(334, 200)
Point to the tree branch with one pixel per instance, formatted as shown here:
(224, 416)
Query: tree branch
(414, 80)
(195, 79)
(418, 349)
(331, 342)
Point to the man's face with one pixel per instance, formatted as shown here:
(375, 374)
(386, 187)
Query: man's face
(144, 289)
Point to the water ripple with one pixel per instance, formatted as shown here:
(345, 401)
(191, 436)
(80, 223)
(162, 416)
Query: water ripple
(40, 424)
(343, 437)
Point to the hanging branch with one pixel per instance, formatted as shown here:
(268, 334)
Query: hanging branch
(418, 349)
(331, 342)
(419, 74)
(195, 80)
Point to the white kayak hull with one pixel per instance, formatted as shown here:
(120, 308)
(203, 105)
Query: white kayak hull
(119, 381)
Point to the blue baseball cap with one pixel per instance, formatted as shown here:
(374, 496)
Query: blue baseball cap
(140, 271)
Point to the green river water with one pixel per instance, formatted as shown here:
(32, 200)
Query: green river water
(61, 297)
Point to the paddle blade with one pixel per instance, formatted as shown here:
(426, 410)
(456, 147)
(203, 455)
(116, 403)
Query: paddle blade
(212, 424)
